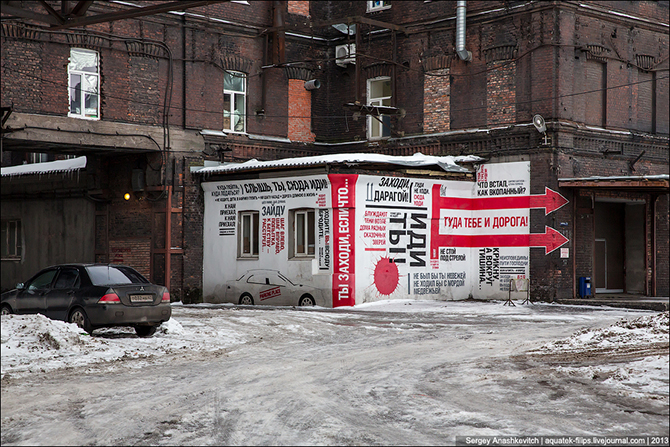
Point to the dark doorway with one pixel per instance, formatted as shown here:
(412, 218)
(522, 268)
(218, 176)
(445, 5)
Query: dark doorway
(635, 248)
(619, 258)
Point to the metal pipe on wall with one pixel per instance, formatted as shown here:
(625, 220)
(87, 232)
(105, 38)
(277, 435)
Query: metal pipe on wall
(464, 54)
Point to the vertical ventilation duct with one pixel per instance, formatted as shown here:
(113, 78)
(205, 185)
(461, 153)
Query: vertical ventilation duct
(464, 54)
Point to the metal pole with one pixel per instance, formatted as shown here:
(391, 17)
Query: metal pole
(168, 235)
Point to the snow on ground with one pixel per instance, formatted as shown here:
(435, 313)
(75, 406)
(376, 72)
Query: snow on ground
(648, 377)
(34, 343)
(391, 373)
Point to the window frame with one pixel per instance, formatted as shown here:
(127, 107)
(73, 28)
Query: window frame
(308, 236)
(234, 94)
(383, 4)
(81, 73)
(17, 246)
(373, 122)
(254, 235)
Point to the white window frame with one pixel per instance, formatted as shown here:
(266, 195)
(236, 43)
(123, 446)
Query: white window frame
(253, 218)
(92, 77)
(11, 232)
(308, 233)
(378, 5)
(235, 96)
(376, 131)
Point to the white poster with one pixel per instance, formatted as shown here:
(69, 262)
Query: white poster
(268, 241)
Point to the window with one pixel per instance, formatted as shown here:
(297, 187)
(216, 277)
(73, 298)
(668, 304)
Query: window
(378, 5)
(68, 278)
(234, 101)
(247, 241)
(302, 234)
(84, 78)
(38, 157)
(379, 94)
(11, 239)
(105, 275)
(43, 281)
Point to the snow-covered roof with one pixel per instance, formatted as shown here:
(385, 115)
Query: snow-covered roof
(447, 163)
(48, 167)
(616, 177)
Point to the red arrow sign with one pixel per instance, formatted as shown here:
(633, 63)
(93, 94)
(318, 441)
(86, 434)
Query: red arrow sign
(550, 240)
(550, 201)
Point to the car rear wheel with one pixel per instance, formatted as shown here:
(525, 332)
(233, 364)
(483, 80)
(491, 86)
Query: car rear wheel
(6, 310)
(145, 331)
(246, 300)
(306, 300)
(79, 317)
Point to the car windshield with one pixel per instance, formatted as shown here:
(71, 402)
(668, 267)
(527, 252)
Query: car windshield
(104, 275)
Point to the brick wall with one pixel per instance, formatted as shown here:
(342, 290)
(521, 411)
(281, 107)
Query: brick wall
(584, 236)
(436, 96)
(299, 112)
(298, 7)
(135, 253)
(22, 75)
(501, 92)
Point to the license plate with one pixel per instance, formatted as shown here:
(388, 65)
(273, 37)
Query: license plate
(141, 298)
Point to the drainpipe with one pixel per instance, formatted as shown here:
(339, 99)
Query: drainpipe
(464, 54)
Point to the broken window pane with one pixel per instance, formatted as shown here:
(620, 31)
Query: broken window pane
(75, 93)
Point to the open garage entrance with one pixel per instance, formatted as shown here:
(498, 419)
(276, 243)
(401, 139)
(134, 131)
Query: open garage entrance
(619, 232)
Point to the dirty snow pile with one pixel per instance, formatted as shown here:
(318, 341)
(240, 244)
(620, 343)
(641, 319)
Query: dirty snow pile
(35, 343)
(643, 332)
(633, 356)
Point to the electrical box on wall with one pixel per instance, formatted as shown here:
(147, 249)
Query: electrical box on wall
(138, 180)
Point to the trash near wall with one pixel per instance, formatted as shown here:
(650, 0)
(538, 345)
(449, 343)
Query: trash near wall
(345, 239)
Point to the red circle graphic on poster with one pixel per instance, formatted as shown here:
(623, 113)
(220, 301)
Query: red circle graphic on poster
(387, 277)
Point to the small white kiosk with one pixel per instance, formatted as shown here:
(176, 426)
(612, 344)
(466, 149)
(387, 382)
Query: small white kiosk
(345, 229)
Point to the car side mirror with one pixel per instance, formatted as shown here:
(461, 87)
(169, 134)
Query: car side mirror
(20, 286)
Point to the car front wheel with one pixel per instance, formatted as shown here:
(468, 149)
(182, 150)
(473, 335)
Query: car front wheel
(145, 331)
(6, 310)
(79, 317)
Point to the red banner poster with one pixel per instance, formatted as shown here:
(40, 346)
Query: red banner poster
(343, 190)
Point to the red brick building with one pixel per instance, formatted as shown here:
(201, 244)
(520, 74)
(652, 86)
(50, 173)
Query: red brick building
(147, 95)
